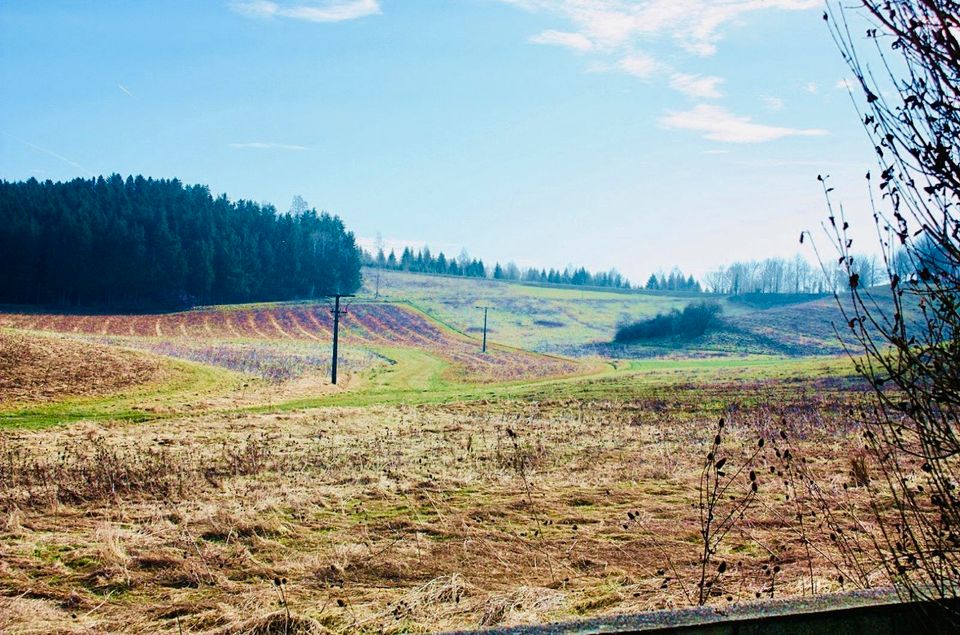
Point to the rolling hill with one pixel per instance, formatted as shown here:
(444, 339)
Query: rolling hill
(580, 322)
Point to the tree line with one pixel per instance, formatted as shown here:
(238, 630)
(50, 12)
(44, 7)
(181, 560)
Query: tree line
(144, 243)
(798, 276)
(795, 275)
(424, 261)
(576, 276)
(674, 281)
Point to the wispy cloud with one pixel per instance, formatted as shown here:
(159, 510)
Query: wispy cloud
(812, 88)
(695, 25)
(773, 103)
(697, 85)
(267, 145)
(717, 124)
(638, 65)
(844, 84)
(575, 41)
(51, 153)
(322, 11)
(617, 34)
(126, 90)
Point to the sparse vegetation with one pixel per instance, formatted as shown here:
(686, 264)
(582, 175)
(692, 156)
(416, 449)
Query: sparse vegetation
(190, 498)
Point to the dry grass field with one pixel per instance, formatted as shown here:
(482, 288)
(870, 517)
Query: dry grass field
(415, 519)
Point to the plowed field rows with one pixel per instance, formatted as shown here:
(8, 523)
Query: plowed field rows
(366, 325)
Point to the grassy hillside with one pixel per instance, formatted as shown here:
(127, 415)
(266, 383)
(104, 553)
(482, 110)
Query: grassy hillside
(541, 318)
(575, 321)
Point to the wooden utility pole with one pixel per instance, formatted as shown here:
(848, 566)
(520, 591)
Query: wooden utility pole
(485, 309)
(336, 310)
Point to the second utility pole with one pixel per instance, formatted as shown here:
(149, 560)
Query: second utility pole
(485, 309)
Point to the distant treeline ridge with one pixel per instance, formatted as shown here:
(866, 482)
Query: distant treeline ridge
(424, 261)
(770, 276)
(143, 242)
(795, 276)
(675, 281)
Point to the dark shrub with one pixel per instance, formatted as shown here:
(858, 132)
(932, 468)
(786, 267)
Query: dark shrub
(694, 320)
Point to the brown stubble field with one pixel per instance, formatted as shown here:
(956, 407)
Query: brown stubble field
(423, 518)
(34, 369)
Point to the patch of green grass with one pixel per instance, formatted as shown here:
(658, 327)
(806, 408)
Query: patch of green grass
(417, 377)
(758, 367)
(187, 383)
(49, 553)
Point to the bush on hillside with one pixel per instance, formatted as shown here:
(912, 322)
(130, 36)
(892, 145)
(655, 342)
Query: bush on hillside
(694, 320)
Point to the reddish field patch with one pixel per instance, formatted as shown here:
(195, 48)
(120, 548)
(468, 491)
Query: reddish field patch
(368, 325)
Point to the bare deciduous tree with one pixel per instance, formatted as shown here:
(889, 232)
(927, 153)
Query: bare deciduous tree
(906, 63)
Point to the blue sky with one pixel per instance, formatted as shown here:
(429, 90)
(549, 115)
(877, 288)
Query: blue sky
(636, 134)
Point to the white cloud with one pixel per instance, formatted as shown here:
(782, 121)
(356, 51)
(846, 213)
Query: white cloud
(125, 90)
(696, 25)
(773, 103)
(696, 85)
(267, 145)
(638, 65)
(812, 88)
(844, 84)
(255, 8)
(717, 124)
(613, 31)
(575, 41)
(322, 11)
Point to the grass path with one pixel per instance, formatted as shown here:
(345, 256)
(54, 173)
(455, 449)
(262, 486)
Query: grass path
(419, 377)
